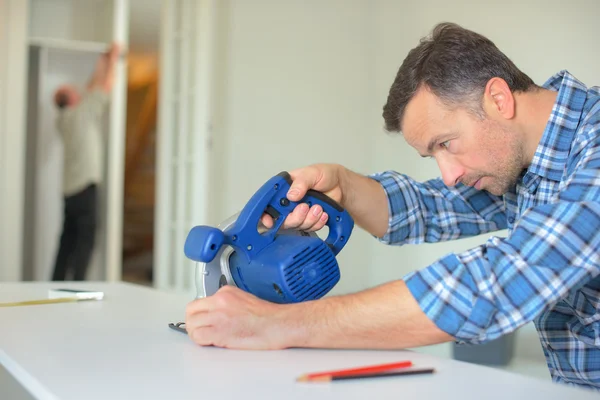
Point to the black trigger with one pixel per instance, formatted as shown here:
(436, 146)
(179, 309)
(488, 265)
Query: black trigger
(272, 212)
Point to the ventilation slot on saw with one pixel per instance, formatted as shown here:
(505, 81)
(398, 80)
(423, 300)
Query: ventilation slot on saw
(327, 271)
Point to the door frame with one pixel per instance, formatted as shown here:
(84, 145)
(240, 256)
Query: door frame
(184, 138)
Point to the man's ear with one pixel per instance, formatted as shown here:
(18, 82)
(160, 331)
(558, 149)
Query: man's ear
(498, 100)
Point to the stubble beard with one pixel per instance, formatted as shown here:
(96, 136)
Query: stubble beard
(509, 166)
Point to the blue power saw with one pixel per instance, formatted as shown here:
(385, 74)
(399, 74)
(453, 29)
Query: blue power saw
(281, 266)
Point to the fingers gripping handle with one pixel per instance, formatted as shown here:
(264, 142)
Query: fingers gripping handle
(339, 222)
(272, 198)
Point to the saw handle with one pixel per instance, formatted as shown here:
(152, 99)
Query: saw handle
(272, 199)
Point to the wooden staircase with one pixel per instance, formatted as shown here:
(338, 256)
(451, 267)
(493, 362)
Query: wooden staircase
(140, 164)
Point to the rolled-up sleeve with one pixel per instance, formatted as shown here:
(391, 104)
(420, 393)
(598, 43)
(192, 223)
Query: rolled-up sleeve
(433, 212)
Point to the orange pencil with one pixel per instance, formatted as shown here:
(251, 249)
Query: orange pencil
(371, 375)
(354, 371)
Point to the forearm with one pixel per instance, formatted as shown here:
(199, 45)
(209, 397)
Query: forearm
(103, 76)
(366, 201)
(109, 77)
(432, 212)
(95, 81)
(385, 317)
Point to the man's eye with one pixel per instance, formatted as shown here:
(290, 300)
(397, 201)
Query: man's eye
(445, 144)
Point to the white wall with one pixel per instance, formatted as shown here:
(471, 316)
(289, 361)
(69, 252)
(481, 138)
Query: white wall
(87, 20)
(13, 57)
(144, 23)
(292, 89)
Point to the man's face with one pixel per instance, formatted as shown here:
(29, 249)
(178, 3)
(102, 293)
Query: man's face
(469, 150)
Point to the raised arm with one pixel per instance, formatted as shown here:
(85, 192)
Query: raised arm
(104, 72)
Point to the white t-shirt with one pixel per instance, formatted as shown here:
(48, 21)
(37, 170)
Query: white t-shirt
(81, 130)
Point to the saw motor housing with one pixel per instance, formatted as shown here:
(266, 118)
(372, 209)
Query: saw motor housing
(281, 266)
(295, 269)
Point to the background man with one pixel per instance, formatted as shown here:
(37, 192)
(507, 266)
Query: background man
(80, 125)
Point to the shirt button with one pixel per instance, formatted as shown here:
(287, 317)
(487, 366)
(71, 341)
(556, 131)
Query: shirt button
(511, 220)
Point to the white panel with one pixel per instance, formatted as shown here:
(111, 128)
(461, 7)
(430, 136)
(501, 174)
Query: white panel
(68, 44)
(144, 24)
(3, 63)
(200, 202)
(184, 97)
(44, 11)
(13, 55)
(115, 166)
(3, 137)
(30, 197)
(87, 20)
(162, 224)
(184, 120)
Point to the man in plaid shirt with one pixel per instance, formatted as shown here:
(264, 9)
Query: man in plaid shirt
(513, 156)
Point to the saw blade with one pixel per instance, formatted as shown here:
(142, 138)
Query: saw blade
(212, 275)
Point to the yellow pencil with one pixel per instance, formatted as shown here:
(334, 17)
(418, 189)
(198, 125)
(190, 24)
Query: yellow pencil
(44, 301)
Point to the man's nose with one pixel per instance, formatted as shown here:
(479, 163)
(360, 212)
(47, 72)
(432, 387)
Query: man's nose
(451, 172)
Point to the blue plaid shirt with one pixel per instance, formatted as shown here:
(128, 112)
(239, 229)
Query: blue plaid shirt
(546, 270)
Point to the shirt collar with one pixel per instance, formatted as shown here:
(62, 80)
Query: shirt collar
(552, 152)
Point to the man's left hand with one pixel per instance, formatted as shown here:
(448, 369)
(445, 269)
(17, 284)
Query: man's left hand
(236, 319)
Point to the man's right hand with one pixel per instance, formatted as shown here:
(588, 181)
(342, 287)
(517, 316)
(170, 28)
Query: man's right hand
(364, 198)
(324, 178)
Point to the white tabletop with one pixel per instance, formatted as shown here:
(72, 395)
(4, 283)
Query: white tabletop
(121, 348)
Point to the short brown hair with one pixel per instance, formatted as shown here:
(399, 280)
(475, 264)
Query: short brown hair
(455, 64)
